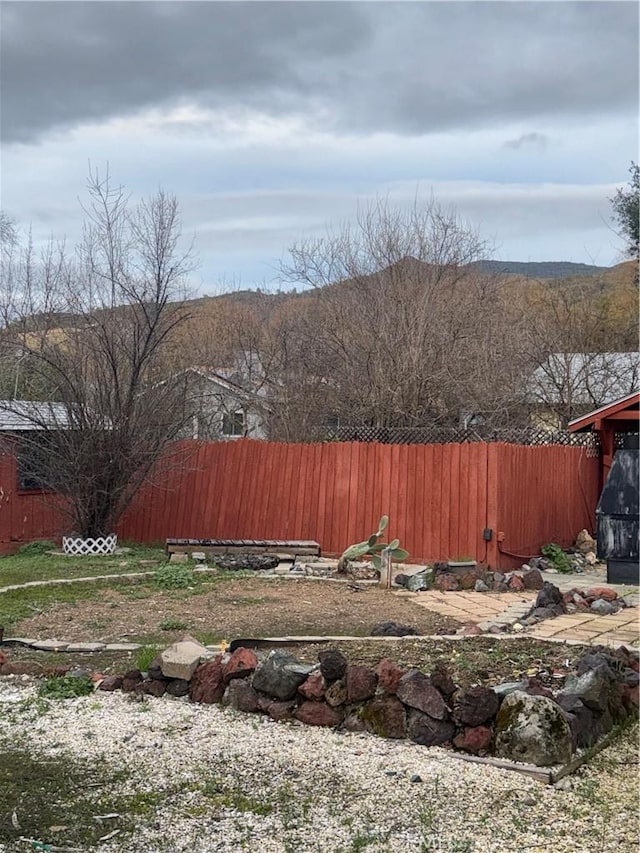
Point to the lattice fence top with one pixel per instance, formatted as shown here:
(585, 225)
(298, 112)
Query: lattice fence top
(457, 435)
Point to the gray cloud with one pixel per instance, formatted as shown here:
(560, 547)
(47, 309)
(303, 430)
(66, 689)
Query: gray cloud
(528, 140)
(358, 67)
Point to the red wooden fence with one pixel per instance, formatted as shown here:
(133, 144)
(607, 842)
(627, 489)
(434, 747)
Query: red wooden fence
(440, 497)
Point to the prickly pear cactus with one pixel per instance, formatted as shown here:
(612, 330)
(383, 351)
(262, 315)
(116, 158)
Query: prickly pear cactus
(373, 548)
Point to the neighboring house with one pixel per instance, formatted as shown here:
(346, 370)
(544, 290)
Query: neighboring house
(24, 426)
(220, 408)
(569, 384)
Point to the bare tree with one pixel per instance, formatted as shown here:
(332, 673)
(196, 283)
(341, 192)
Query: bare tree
(405, 329)
(94, 329)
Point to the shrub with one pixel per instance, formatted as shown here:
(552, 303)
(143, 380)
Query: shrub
(66, 687)
(557, 556)
(174, 576)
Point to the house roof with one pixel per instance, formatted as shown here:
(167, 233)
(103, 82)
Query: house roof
(24, 415)
(625, 413)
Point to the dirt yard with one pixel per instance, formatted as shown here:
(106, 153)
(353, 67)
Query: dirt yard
(247, 607)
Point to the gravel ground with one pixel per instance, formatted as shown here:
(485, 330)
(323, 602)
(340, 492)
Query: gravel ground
(209, 779)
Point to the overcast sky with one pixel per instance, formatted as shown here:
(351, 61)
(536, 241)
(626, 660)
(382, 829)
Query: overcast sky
(269, 120)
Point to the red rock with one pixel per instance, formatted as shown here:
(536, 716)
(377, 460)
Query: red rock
(280, 710)
(207, 684)
(241, 696)
(582, 607)
(535, 688)
(318, 714)
(474, 739)
(96, 677)
(3, 658)
(468, 579)
(417, 691)
(361, 683)
(389, 675)
(515, 583)
(470, 629)
(602, 592)
(21, 667)
(446, 582)
(242, 662)
(313, 687)
(110, 682)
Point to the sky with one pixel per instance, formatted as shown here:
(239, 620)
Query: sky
(271, 121)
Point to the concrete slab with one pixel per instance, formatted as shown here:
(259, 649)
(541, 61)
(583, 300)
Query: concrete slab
(49, 645)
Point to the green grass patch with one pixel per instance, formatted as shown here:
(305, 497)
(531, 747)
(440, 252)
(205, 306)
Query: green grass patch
(33, 563)
(173, 625)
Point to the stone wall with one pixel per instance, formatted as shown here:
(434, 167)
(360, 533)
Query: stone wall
(520, 721)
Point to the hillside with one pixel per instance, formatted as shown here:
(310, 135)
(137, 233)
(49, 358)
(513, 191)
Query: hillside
(540, 269)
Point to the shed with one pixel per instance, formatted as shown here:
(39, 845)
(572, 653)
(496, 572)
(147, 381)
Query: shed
(618, 527)
(622, 417)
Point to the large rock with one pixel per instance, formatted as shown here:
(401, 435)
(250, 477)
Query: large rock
(532, 579)
(333, 664)
(594, 688)
(585, 729)
(423, 729)
(241, 664)
(178, 687)
(130, 679)
(110, 683)
(550, 596)
(314, 686)
(385, 716)
(446, 582)
(182, 659)
(417, 582)
(393, 629)
(361, 683)
(279, 711)
(241, 696)
(280, 675)
(318, 714)
(585, 542)
(416, 690)
(475, 706)
(602, 607)
(532, 729)
(207, 684)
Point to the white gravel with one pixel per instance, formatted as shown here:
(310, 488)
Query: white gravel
(230, 782)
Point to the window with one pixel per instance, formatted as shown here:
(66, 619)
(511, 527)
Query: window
(34, 457)
(233, 424)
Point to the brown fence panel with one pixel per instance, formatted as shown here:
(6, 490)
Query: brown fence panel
(439, 497)
(335, 493)
(543, 494)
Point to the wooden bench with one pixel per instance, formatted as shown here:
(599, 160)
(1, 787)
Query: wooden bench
(277, 547)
